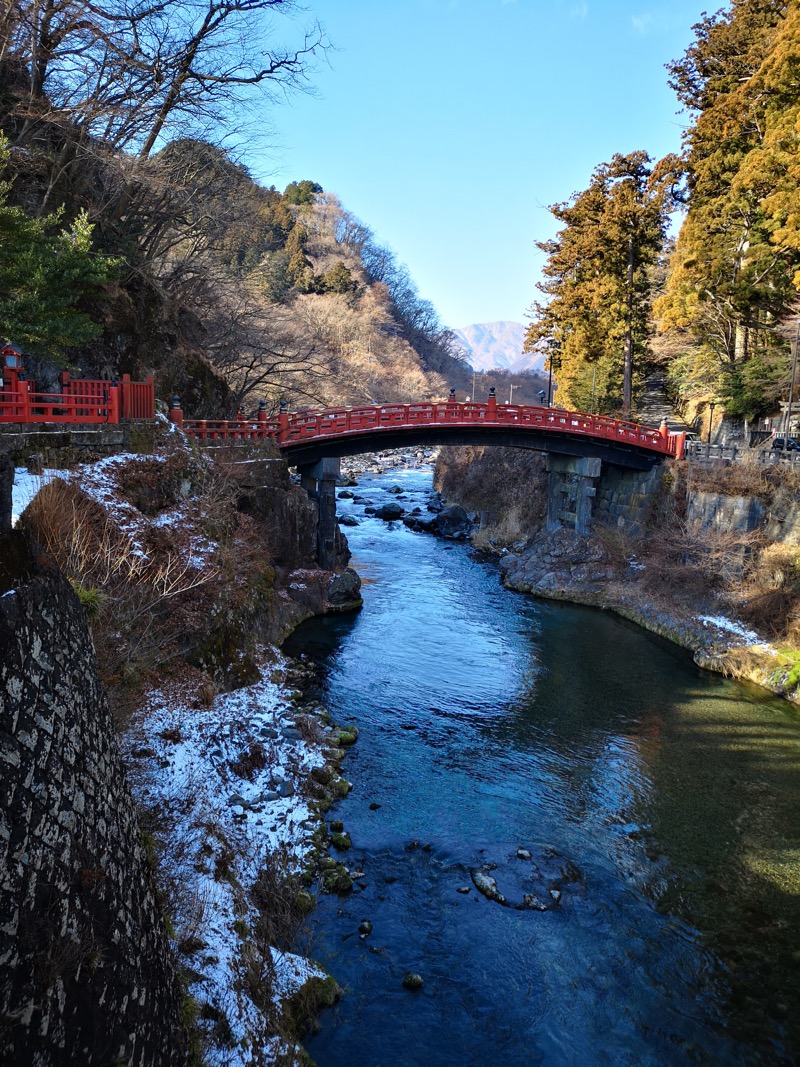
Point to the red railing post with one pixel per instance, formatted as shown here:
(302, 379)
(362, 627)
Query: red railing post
(491, 406)
(283, 420)
(126, 397)
(24, 400)
(113, 403)
(175, 411)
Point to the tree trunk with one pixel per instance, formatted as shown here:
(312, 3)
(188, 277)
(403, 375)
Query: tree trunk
(628, 365)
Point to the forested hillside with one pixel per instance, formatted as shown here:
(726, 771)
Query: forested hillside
(133, 240)
(718, 307)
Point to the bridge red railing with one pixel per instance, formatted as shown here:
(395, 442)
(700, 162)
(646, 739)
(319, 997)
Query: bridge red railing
(304, 426)
(81, 400)
(98, 402)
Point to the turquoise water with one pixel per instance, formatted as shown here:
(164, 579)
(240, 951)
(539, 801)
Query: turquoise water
(660, 806)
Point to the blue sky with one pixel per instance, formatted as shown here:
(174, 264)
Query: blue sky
(448, 126)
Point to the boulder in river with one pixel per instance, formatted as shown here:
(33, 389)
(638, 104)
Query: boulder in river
(453, 523)
(424, 524)
(413, 982)
(348, 520)
(485, 884)
(390, 512)
(344, 588)
(531, 901)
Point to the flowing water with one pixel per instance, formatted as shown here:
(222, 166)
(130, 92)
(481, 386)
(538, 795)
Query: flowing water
(659, 805)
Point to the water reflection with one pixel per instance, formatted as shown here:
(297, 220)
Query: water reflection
(489, 723)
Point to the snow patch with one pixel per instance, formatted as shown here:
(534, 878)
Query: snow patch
(222, 821)
(720, 622)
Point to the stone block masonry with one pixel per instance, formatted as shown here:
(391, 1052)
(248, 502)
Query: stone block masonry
(624, 497)
(85, 971)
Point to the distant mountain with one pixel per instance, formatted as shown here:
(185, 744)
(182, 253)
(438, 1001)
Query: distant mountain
(498, 344)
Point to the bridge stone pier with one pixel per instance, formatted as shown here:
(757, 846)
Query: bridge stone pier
(571, 488)
(319, 481)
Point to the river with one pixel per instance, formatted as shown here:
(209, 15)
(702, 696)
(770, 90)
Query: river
(655, 808)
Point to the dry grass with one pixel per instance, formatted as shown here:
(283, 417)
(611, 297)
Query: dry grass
(148, 600)
(508, 484)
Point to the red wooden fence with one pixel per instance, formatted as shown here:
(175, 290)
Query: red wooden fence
(81, 400)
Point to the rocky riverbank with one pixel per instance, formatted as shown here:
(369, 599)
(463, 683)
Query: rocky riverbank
(565, 566)
(716, 549)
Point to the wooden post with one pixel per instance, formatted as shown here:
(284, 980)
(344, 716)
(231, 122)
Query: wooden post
(113, 403)
(283, 420)
(175, 411)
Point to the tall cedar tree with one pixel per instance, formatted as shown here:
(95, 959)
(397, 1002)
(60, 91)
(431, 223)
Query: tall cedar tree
(736, 268)
(594, 321)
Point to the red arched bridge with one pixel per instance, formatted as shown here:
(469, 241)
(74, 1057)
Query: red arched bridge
(306, 437)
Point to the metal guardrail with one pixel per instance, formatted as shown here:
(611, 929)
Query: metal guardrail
(697, 452)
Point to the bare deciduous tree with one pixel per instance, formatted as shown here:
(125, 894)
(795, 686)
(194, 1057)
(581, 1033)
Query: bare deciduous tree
(125, 72)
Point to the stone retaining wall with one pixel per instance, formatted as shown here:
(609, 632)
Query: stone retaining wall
(85, 971)
(624, 497)
(55, 443)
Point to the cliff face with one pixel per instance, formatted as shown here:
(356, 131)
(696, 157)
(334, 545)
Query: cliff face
(85, 975)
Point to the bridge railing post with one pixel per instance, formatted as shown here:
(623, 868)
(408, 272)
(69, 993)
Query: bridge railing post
(113, 409)
(175, 411)
(283, 420)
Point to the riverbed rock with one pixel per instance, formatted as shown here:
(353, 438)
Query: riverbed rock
(346, 494)
(344, 588)
(485, 884)
(453, 523)
(412, 981)
(420, 523)
(533, 903)
(346, 736)
(390, 512)
(523, 854)
(337, 880)
(365, 927)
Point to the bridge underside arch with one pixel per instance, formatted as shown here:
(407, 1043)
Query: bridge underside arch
(620, 454)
